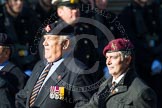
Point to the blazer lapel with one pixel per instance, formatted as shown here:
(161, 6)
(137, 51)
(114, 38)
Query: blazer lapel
(34, 79)
(124, 83)
(119, 89)
(52, 81)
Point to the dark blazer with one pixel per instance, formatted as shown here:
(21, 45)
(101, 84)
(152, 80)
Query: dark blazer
(131, 92)
(12, 79)
(17, 78)
(68, 75)
(6, 100)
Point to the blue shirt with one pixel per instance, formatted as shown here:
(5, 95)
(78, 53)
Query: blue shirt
(53, 69)
(3, 64)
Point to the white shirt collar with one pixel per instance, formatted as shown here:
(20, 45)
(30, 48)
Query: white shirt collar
(119, 78)
(52, 70)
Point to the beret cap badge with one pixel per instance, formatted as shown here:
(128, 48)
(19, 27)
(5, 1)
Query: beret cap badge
(113, 46)
(64, 2)
(47, 28)
(74, 1)
(59, 28)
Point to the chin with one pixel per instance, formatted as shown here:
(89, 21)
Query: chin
(46, 57)
(111, 72)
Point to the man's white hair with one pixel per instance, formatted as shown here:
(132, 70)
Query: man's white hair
(125, 54)
(71, 38)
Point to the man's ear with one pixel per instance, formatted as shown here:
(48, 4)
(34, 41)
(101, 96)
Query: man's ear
(128, 60)
(65, 44)
(59, 12)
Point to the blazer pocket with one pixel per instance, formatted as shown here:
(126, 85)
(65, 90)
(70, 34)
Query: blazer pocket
(124, 103)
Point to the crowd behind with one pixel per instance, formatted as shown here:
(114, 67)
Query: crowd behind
(23, 21)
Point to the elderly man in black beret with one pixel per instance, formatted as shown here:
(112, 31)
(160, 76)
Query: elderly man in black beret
(124, 89)
(12, 79)
(59, 80)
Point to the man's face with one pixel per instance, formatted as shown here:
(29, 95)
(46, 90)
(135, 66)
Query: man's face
(1, 50)
(116, 63)
(4, 53)
(1, 53)
(47, 2)
(101, 4)
(143, 1)
(15, 5)
(67, 14)
(52, 48)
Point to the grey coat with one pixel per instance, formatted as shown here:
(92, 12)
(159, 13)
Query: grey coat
(131, 92)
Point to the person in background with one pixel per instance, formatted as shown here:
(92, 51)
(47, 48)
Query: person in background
(44, 10)
(62, 84)
(12, 79)
(124, 88)
(111, 21)
(142, 22)
(20, 24)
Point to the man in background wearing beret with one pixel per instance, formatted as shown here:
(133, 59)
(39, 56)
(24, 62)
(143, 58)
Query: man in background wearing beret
(59, 80)
(124, 89)
(12, 79)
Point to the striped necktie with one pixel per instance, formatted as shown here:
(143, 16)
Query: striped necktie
(105, 93)
(38, 85)
(113, 86)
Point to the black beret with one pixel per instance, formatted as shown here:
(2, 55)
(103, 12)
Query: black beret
(58, 28)
(5, 40)
(68, 3)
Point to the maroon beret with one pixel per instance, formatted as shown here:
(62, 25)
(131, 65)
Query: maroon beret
(120, 44)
